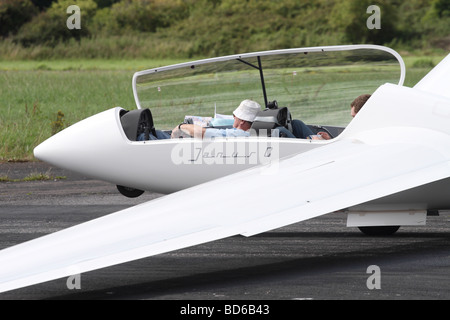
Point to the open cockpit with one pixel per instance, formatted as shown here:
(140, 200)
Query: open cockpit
(312, 85)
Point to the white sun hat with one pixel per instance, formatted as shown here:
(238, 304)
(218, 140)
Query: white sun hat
(247, 110)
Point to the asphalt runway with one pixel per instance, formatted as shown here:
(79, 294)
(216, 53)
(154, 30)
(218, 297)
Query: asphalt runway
(319, 259)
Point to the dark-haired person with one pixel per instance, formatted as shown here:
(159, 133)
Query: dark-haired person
(358, 103)
(355, 106)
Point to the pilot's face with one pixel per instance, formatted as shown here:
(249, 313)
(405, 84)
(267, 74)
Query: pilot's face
(237, 122)
(353, 112)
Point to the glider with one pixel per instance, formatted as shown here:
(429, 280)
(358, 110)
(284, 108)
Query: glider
(388, 167)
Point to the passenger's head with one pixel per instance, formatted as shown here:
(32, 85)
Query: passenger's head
(358, 103)
(245, 114)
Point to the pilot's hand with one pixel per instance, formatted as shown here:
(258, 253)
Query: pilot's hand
(179, 133)
(324, 135)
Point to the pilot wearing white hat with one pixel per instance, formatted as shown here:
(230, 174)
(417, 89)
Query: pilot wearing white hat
(244, 115)
(247, 110)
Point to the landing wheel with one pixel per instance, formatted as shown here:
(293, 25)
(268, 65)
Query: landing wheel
(130, 192)
(379, 230)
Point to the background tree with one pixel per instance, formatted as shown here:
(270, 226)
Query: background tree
(13, 14)
(43, 4)
(351, 17)
(49, 27)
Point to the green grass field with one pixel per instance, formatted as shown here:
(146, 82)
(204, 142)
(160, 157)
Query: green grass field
(33, 92)
(39, 98)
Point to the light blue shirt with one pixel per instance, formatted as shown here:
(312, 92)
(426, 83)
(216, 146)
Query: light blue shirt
(215, 133)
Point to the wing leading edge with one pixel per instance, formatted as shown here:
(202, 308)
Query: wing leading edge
(361, 167)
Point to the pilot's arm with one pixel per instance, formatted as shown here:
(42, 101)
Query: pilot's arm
(188, 129)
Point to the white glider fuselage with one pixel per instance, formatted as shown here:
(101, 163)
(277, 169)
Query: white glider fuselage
(98, 147)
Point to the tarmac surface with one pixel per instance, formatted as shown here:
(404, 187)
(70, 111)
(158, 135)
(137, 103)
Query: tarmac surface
(318, 259)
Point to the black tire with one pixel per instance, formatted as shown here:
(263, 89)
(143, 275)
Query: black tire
(130, 192)
(379, 230)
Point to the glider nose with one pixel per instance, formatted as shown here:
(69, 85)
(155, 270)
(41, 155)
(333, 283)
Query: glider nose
(85, 144)
(42, 152)
(54, 151)
(59, 148)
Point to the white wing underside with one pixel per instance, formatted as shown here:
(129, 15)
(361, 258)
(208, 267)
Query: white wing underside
(336, 176)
